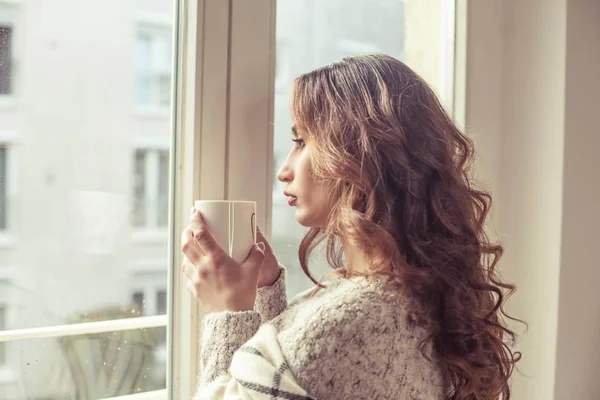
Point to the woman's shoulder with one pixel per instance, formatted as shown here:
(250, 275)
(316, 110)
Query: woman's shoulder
(348, 306)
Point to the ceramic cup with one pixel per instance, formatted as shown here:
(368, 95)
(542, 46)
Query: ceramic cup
(232, 224)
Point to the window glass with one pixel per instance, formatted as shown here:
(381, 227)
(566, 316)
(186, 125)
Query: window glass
(88, 147)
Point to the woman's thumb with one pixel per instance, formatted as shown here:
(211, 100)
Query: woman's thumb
(256, 256)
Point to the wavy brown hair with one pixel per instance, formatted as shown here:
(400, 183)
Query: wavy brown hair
(399, 169)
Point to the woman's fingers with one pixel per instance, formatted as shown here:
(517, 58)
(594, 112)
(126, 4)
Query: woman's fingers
(205, 241)
(189, 247)
(192, 289)
(189, 270)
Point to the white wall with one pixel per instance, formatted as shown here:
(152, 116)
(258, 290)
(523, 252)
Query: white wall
(578, 349)
(531, 106)
(530, 191)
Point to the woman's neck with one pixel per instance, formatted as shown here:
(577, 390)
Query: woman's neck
(356, 260)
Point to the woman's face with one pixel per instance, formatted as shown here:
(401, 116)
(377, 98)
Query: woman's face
(303, 192)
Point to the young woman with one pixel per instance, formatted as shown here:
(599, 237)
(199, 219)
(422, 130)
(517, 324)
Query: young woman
(413, 309)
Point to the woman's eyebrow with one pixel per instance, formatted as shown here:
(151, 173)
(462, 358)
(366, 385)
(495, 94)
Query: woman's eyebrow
(294, 131)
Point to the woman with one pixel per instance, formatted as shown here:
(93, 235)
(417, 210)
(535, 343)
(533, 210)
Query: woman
(413, 310)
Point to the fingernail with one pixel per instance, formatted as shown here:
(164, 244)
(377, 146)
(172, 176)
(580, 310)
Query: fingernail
(192, 210)
(261, 247)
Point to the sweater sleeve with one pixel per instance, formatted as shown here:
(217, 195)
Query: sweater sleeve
(271, 300)
(222, 334)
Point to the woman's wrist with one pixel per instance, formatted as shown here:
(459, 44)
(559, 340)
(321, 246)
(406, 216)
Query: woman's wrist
(272, 280)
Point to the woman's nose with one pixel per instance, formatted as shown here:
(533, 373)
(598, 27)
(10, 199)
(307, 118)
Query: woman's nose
(285, 173)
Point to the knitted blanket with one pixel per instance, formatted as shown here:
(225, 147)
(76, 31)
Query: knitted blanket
(258, 371)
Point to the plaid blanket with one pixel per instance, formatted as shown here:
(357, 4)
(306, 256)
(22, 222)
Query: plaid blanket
(258, 371)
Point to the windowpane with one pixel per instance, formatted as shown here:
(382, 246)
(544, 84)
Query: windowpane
(85, 167)
(6, 38)
(313, 33)
(94, 366)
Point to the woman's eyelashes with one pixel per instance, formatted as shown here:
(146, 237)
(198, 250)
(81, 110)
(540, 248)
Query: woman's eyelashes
(298, 143)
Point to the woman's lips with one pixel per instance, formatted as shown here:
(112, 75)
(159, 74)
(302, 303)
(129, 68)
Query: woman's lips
(292, 200)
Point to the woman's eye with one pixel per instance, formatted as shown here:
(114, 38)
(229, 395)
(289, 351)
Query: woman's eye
(298, 143)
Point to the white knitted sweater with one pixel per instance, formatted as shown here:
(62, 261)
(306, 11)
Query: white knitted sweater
(347, 341)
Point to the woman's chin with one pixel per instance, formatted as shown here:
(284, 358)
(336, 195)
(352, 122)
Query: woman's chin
(307, 220)
(302, 218)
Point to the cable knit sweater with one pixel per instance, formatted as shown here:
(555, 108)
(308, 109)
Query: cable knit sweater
(347, 341)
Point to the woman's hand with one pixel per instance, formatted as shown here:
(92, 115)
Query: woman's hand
(216, 280)
(270, 271)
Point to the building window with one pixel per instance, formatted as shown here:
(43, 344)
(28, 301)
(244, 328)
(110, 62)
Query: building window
(6, 38)
(150, 189)
(138, 302)
(149, 300)
(161, 302)
(3, 187)
(2, 328)
(153, 50)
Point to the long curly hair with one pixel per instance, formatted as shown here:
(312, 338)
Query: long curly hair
(399, 172)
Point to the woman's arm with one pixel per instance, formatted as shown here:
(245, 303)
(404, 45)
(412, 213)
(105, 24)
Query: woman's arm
(258, 371)
(271, 300)
(223, 333)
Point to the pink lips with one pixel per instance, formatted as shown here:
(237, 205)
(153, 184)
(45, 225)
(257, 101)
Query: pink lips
(291, 198)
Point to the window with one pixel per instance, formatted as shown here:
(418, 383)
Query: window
(138, 302)
(150, 295)
(6, 38)
(153, 66)
(3, 187)
(82, 149)
(150, 189)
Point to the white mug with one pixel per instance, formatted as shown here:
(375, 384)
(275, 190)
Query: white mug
(232, 224)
